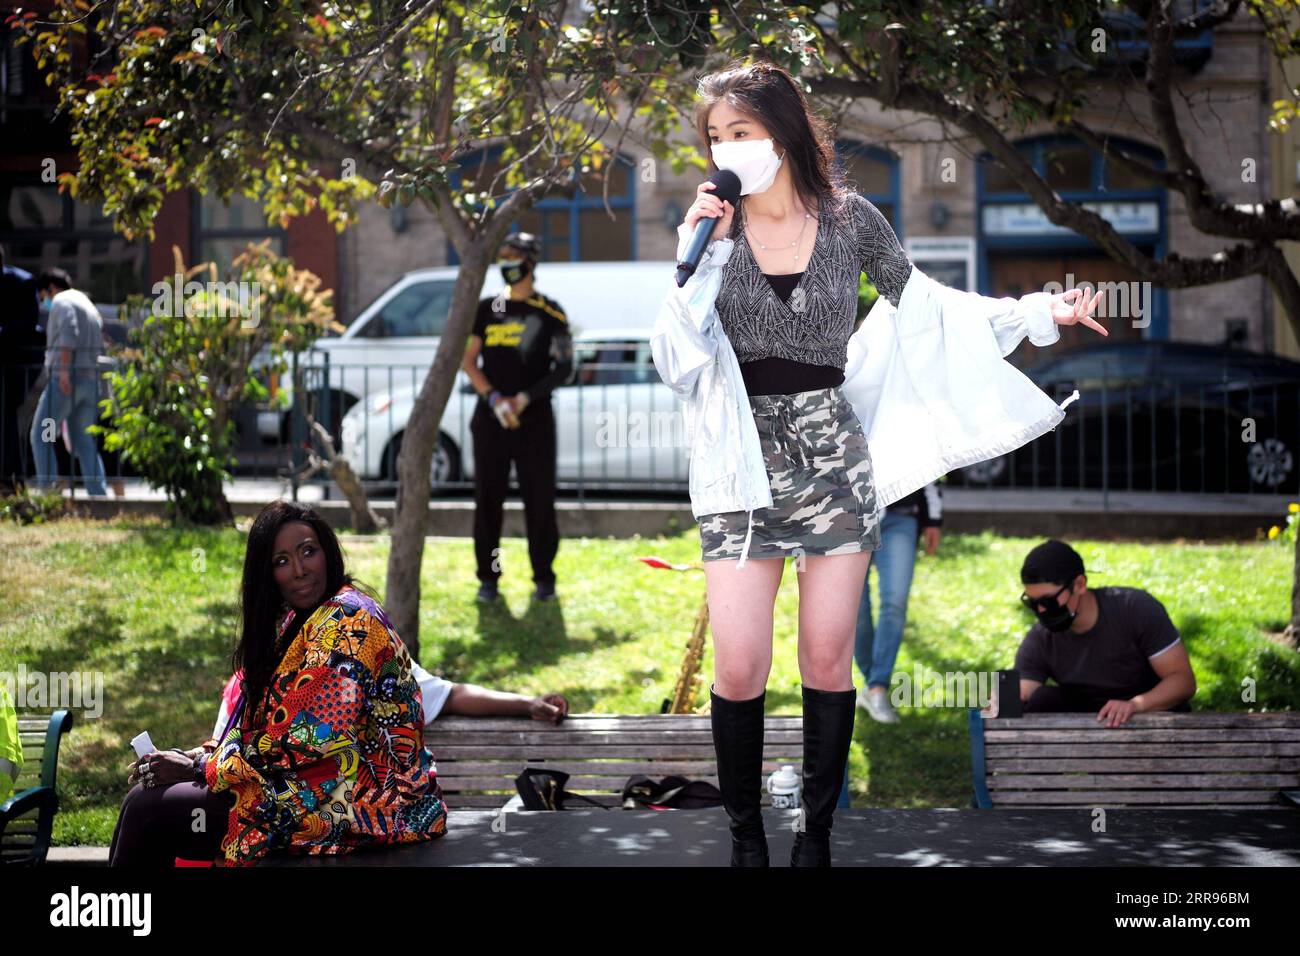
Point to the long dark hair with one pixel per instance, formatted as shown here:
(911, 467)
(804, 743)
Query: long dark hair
(258, 652)
(769, 95)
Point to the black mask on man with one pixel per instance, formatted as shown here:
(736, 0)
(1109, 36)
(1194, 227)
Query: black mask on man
(1058, 618)
(514, 272)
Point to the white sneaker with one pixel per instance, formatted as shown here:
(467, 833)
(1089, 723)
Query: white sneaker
(876, 703)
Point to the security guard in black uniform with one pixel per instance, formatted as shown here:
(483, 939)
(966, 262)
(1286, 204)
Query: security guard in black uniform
(527, 349)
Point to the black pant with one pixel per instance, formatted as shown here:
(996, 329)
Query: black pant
(1051, 698)
(158, 824)
(531, 447)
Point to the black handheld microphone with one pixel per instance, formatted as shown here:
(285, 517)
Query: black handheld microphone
(726, 186)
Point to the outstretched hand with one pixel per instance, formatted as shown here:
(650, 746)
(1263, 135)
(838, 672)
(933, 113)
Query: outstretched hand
(1075, 306)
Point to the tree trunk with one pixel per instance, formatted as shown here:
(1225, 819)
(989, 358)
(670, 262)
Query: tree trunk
(363, 517)
(203, 502)
(411, 514)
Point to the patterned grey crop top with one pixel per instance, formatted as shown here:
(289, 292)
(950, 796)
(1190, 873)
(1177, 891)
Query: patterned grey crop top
(814, 324)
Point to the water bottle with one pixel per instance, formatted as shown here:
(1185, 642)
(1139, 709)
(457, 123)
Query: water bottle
(783, 786)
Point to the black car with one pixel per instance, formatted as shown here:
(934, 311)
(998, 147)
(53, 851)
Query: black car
(1160, 416)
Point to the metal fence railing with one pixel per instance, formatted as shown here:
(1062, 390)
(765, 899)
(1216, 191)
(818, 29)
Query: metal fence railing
(618, 427)
(1225, 437)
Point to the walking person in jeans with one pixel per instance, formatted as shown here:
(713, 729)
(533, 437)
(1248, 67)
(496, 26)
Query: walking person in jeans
(875, 648)
(74, 339)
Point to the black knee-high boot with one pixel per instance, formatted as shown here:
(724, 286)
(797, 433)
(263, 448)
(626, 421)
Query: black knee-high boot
(827, 734)
(738, 743)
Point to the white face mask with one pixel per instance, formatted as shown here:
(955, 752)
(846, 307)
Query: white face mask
(754, 161)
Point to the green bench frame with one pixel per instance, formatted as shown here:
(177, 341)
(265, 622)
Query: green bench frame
(27, 817)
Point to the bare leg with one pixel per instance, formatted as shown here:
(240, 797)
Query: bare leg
(740, 614)
(830, 587)
(740, 617)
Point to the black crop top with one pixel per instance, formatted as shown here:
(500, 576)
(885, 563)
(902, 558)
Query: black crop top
(778, 376)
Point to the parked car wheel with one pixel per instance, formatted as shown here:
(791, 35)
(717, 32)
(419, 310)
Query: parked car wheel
(989, 472)
(1270, 462)
(444, 467)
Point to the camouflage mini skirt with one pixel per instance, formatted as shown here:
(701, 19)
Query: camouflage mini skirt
(823, 494)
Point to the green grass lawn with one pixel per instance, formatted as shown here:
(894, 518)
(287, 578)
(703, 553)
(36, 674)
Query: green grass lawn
(156, 611)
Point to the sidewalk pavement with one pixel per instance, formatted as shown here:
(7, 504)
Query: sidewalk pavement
(1063, 513)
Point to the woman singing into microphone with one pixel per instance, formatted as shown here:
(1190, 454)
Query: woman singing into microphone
(756, 344)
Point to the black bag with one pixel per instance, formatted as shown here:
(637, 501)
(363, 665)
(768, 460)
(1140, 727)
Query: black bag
(673, 791)
(542, 789)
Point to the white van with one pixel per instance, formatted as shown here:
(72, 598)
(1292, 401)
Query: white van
(391, 344)
(617, 424)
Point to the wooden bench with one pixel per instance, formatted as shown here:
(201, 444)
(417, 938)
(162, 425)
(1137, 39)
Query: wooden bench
(1155, 760)
(478, 758)
(27, 817)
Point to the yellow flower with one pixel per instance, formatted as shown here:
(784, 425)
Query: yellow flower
(1293, 507)
(1273, 532)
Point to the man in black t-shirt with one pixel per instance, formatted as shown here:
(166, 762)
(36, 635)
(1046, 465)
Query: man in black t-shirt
(524, 340)
(1110, 649)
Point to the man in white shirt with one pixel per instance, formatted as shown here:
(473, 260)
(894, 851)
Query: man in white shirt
(74, 332)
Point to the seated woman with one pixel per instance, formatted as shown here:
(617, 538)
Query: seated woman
(324, 751)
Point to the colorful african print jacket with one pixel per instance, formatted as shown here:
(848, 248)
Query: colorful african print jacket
(334, 758)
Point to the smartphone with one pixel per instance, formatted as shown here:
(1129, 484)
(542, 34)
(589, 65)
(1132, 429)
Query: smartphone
(142, 744)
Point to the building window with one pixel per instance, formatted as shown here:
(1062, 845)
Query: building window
(39, 227)
(1069, 167)
(571, 224)
(872, 172)
(996, 177)
(222, 230)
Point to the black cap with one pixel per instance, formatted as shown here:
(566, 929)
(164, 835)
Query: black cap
(524, 242)
(1052, 562)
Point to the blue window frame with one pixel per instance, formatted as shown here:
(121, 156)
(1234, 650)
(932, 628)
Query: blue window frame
(1078, 174)
(873, 172)
(573, 226)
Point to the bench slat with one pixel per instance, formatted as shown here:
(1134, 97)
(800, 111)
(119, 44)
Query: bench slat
(1144, 781)
(655, 722)
(642, 752)
(1282, 719)
(494, 801)
(996, 750)
(458, 768)
(596, 738)
(1252, 807)
(1137, 735)
(507, 782)
(1156, 764)
(1154, 797)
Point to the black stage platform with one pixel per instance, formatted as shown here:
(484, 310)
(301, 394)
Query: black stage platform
(886, 837)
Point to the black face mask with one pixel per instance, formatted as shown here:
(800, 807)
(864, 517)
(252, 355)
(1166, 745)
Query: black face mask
(1057, 617)
(514, 272)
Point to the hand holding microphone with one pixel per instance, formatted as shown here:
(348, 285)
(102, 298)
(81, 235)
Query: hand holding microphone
(710, 216)
(709, 204)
